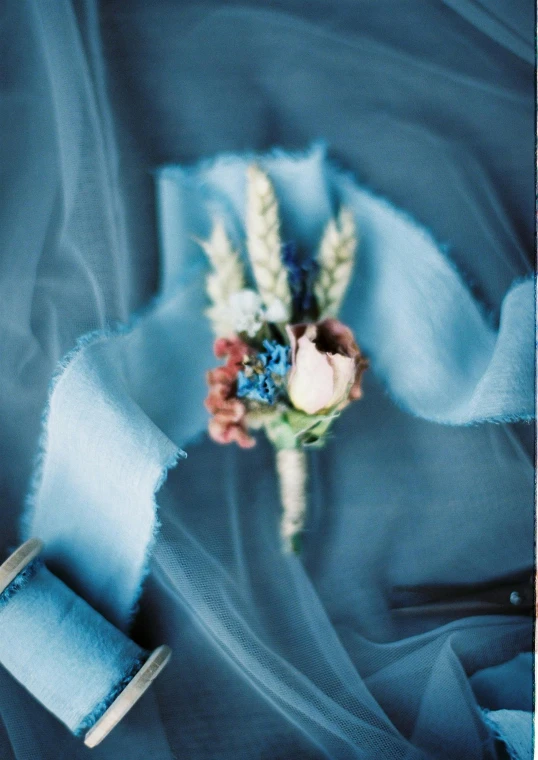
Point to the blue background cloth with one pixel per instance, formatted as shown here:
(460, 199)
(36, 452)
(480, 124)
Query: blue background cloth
(434, 111)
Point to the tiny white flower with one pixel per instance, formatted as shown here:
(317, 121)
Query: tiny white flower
(276, 312)
(246, 312)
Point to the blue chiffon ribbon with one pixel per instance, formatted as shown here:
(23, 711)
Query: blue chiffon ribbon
(125, 402)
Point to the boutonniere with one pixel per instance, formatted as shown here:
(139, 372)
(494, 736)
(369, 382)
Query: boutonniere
(289, 366)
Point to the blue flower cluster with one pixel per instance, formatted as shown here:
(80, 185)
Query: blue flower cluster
(301, 278)
(262, 380)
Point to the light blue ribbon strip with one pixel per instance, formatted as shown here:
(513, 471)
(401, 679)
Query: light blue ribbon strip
(125, 402)
(514, 729)
(429, 340)
(102, 461)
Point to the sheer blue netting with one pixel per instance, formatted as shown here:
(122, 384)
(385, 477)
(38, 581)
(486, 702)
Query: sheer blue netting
(431, 105)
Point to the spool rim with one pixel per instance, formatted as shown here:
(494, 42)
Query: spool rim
(18, 561)
(129, 696)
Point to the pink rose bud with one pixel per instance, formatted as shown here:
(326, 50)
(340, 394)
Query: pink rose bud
(326, 366)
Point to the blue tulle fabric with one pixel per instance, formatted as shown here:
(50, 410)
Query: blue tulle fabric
(275, 656)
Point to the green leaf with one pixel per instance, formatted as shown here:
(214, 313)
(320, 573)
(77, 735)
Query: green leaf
(294, 429)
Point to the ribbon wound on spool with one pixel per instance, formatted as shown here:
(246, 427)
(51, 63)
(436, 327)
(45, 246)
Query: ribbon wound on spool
(74, 662)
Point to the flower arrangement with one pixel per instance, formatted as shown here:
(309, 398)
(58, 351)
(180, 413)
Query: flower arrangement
(290, 367)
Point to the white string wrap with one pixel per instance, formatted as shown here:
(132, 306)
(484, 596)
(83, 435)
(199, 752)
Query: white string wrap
(291, 468)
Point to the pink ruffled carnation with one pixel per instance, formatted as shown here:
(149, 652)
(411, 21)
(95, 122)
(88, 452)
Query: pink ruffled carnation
(228, 423)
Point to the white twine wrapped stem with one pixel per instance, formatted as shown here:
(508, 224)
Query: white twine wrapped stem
(292, 473)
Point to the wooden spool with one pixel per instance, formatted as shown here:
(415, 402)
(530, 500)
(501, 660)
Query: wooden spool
(9, 570)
